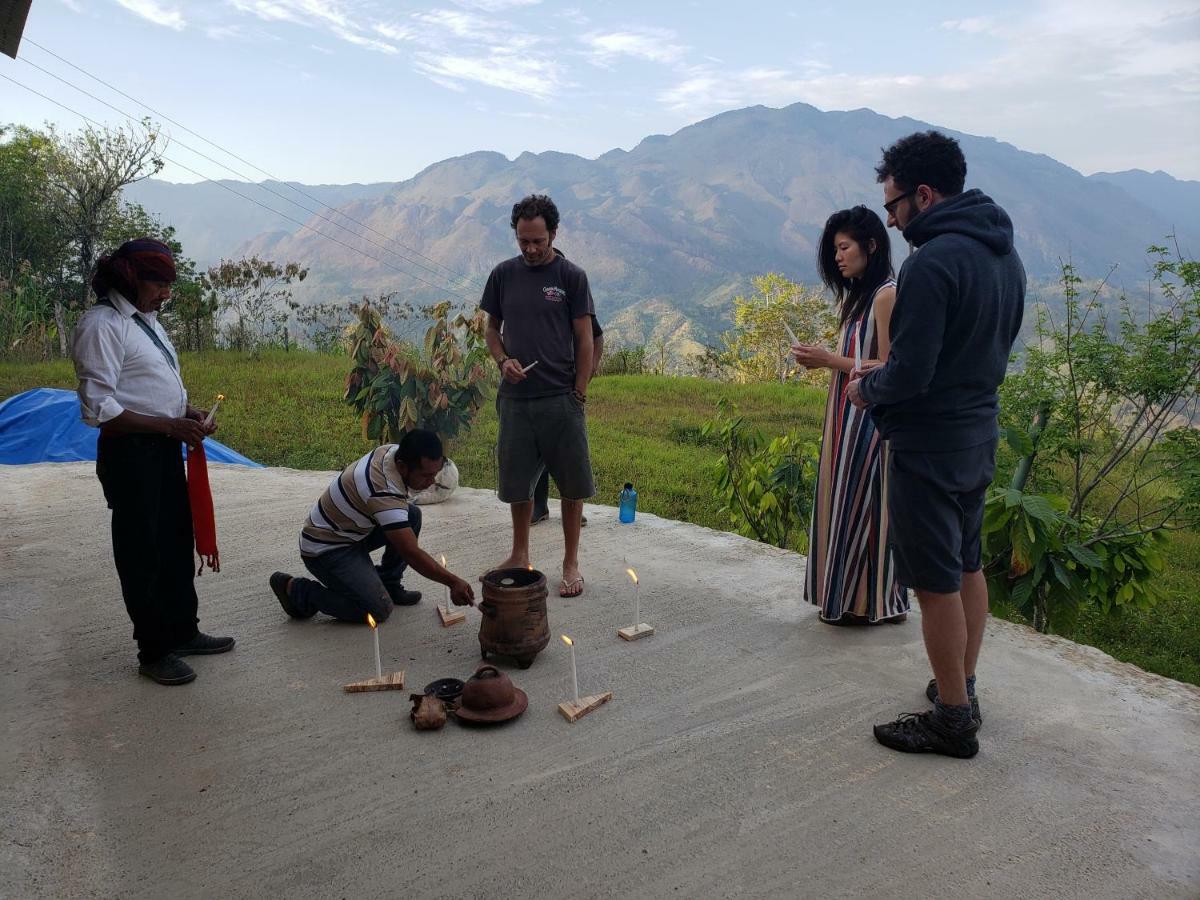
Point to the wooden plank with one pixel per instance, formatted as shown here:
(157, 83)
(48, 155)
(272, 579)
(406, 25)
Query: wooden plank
(573, 711)
(634, 632)
(393, 681)
(450, 616)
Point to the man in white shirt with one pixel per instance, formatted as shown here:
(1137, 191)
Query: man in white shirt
(131, 389)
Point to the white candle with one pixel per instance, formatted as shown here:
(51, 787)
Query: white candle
(857, 351)
(447, 586)
(637, 598)
(574, 673)
(530, 366)
(375, 632)
(212, 412)
(791, 334)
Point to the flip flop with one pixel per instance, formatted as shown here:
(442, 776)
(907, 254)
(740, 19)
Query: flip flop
(567, 588)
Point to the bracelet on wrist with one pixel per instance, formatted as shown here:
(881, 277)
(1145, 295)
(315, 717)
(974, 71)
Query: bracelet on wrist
(501, 361)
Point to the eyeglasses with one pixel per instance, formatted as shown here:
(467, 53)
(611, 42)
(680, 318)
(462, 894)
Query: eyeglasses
(890, 206)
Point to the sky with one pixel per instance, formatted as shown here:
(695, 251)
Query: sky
(338, 91)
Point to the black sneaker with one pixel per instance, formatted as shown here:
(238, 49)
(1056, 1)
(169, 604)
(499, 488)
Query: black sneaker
(921, 733)
(931, 692)
(279, 584)
(169, 669)
(205, 644)
(539, 515)
(401, 597)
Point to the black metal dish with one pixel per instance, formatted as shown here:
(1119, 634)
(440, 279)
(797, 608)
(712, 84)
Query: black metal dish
(447, 690)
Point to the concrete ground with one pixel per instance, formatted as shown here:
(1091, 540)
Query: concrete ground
(736, 759)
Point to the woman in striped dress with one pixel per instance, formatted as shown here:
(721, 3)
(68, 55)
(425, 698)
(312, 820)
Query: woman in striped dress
(850, 575)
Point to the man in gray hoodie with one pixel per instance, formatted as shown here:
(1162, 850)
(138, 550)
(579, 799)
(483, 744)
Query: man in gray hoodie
(960, 300)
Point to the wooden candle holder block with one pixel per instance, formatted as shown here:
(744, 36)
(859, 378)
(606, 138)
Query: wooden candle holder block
(393, 681)
(450, 616)
(633, 632)
(573, 711)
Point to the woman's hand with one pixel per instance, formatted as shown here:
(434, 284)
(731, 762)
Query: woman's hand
(812, 356)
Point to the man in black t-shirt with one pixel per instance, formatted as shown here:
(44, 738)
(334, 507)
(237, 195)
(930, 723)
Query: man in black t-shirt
(543, 304)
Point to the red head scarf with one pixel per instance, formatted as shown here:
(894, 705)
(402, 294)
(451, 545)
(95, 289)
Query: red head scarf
(142, 259)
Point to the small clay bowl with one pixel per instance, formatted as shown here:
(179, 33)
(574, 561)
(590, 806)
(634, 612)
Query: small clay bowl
(448, 690)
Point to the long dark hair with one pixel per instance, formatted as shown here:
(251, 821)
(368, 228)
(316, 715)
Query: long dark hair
(863, 227)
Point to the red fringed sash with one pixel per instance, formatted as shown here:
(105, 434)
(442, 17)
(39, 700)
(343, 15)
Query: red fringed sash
(204, 522)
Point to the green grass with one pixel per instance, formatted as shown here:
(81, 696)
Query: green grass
(285, 409)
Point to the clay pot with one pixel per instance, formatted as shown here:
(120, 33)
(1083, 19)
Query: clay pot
(513, 621)
(490, 697)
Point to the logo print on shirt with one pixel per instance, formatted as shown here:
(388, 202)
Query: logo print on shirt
(554, 294)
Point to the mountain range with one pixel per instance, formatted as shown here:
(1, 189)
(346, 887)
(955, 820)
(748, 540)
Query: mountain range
(672, 229)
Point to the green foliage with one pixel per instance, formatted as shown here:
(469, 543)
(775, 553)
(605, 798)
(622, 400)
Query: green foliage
(624, 361)
(1112, 455)
(254, 297)
(756, 348)
(395, 388)
(764, 487)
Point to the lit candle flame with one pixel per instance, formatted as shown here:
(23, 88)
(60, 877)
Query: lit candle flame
(530, 567)
(220, 397)
(566, 640)
(443, 560)
(633, 575)
(371, 620)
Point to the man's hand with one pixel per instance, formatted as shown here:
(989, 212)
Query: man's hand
(511, 371)
(461, 593)
(187, 430)
(854, 392)
(812, 356)
(199, 415)
(866, 366)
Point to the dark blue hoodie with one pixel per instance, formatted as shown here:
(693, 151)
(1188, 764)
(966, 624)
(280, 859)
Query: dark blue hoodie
(959, 302)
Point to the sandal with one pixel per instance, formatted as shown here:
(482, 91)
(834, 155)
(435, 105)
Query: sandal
(568, 588)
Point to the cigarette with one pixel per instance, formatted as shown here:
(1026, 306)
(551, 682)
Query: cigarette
(791, 334)
(530, 366)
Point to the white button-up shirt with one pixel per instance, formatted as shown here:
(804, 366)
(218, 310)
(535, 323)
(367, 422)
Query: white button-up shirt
(120, 367)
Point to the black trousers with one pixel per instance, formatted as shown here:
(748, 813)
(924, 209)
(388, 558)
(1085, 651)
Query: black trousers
(144, 484)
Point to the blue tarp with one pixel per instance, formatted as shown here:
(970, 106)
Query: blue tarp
(43, 425)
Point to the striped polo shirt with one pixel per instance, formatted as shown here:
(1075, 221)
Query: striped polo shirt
(369, 493)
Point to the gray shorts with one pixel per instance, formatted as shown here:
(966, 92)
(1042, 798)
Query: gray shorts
(543, 433)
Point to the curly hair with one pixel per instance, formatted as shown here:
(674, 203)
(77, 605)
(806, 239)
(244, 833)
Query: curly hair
(417, 445)
(863, 227)
(927, 157)
(533, 206)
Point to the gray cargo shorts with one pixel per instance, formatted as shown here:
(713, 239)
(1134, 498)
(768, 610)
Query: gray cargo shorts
(543, 433)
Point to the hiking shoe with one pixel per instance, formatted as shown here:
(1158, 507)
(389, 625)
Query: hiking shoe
(204, 644)
(279, 584)
(169, 669)
(931, 692)
(922, 733)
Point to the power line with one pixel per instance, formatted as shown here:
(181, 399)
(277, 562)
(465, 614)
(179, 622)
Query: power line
(96, 78)
(226, 187)
(264, 187)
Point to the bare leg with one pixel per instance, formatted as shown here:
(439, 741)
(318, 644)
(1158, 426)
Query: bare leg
(519, 558)
(975, 608)
(572, 513)
(944, 626)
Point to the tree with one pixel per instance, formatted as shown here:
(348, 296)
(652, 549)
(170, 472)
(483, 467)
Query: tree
(86, 173)
(254, 295)
(755, 349)
(1103, 416)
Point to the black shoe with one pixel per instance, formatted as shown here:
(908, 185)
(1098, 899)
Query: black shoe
(279, 584)
(169, 669)
(539, 516)
(931, 692)
(401, 597)
(922, 733)
(204, 645)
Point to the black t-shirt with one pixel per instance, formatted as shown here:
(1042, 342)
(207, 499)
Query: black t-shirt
(538, 306)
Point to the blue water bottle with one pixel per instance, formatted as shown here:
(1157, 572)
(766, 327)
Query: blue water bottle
(628, 503)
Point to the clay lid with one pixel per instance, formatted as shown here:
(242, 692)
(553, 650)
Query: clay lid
(489, 696)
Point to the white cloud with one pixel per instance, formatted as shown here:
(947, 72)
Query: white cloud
(394, 32)
(495, 5)
(72, 5)
(974, 25)
(653, 44)
(155, 12)
(498, 68)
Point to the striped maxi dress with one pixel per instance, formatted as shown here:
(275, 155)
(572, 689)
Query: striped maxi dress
(850, 568)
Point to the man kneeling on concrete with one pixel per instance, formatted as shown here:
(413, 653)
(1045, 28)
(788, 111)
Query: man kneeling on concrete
(365, 508)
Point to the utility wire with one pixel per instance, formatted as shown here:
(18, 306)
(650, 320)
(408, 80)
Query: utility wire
(264, 187)
(305, 225)
(96, 78)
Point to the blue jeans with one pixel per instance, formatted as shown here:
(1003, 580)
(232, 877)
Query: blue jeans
(350, 585)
